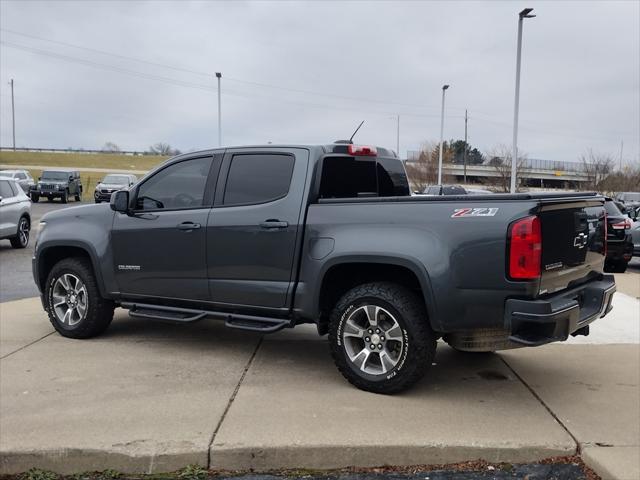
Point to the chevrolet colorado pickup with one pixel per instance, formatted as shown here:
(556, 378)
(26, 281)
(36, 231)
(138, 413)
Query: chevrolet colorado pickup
(269, 237)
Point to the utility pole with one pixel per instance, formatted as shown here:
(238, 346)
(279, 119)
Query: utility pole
(444, 88)
(398, 138)
(219, 76)
(621, 147)
(13, 116)
(464, 155)
(526, 13)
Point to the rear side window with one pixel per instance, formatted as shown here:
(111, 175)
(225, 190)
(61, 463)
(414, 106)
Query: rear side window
(258, 178)
(453, 190)
(612, 210)
(5, 189)
(347, 177)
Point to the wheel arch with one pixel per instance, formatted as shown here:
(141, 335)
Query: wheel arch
(51, 253)
(343, 273)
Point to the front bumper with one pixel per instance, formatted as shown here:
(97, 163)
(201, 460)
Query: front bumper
(47, 193)
(102, 197)
(555, 317)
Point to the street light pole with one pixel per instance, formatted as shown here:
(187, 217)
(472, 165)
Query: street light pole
(444, 87)
(13, 116)
(398, 138)
(219, 76)
(464, 154)
(526, 13)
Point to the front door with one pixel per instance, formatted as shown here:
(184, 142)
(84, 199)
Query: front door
(159, 248)
(254, 226)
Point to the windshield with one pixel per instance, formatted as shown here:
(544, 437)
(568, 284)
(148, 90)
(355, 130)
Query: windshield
(117, 179)
(58, 176)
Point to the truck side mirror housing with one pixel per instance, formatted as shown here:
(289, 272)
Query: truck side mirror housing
(120, 201)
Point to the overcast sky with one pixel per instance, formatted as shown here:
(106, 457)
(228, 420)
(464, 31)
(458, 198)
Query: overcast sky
(309, 72)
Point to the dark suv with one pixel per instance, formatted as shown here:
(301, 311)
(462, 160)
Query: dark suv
(619, 240)
(58, 183)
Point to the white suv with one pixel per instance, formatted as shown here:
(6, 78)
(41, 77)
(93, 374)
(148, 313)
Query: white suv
(15, 213)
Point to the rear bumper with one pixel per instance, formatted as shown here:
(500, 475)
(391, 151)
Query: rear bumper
(554, 318)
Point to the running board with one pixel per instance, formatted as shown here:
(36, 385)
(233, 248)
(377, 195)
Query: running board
(186, 315)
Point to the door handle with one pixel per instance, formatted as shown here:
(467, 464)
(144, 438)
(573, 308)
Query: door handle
(188, 226)
(272, 223)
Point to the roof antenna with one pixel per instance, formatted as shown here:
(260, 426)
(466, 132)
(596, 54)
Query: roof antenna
(354, 133)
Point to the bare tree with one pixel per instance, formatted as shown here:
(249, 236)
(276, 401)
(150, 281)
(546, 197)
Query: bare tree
(597, 167)
(165, 149)
(110, 147)
(625, 180)
(423, 171)
(500, 159)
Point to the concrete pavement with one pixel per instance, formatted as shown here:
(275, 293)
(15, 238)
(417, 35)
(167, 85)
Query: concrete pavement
(151, 397)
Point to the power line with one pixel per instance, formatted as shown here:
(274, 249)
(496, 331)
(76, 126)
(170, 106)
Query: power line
(208, 75)
(183, 83)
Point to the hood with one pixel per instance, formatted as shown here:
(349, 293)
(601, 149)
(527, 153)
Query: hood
(81, 211)
(53, 182)
(111, 186)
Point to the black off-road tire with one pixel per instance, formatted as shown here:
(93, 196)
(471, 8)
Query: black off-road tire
(65, 196)
(79, 196)
(21, 240)
(35, 198)
(99, 311)
(410, 313)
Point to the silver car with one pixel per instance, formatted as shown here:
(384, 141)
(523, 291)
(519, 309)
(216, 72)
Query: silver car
(15, 213)
(23, 177)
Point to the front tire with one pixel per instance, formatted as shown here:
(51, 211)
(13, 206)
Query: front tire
(21, 240)
(65, 196)
(73, 301)
(380, 337)
(35, 198)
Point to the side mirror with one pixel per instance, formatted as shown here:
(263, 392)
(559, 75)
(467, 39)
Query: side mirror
(120, 201)
(71, 178)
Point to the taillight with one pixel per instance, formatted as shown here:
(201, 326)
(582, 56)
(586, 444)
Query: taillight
(362, 151)
(525, 249)
(623, 225)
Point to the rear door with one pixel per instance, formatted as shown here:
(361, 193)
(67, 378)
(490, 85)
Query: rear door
(573, 242)
(9, 209)
(253, 229)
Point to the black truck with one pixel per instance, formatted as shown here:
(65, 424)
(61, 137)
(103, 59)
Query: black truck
(269, 237)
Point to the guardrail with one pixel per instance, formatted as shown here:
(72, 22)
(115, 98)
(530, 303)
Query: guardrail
(529, 163)
(73, 150)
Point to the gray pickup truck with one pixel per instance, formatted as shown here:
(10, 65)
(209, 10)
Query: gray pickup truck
(269, 237)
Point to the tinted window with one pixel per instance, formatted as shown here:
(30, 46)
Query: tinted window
(612, 210)
(258, 178)
(5, 189)
(392, 179)
(346, 177)
(180, 185)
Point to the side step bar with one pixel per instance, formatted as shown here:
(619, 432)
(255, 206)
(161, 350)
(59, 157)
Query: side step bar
(186, 315)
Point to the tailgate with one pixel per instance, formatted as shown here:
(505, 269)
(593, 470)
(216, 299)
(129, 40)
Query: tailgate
(573, 242)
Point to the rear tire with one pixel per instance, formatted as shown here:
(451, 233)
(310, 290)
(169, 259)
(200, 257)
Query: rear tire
(79, 196)
(21, 240)
(380, 337)
(73, 301)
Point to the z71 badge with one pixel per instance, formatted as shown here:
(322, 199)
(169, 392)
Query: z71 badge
(474, 212)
